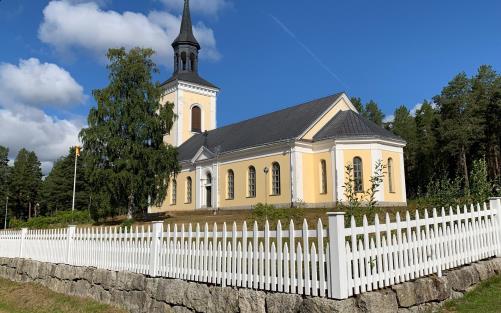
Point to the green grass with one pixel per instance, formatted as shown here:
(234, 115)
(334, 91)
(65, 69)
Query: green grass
(486, 298)
(33, 298)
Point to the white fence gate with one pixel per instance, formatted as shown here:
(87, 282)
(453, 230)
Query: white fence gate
(335, 262)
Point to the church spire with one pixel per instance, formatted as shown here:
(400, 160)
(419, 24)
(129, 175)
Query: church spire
(185, 45)
(186, 36)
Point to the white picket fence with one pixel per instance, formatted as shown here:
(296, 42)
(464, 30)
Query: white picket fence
(335, 262)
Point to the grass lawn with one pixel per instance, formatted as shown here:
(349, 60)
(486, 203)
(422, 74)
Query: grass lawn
(486, 298)
(31, 298)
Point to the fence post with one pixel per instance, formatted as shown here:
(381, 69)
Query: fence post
(156, 236)
(495, 204)
(70, 237)
(24, 231)
(337, 256)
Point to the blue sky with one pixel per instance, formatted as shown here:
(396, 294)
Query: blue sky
(264, 55)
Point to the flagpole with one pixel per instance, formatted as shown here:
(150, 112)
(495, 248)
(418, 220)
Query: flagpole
(77, 152)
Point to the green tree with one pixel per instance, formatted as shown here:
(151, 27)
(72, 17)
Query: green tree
(486, 106)
(426, 144)
(357, 102)
(129, 163)
(4, 171)
(57, 188)
(25, 182)
(480, 185)
(459, 126)
(373, 113)
(4, 179)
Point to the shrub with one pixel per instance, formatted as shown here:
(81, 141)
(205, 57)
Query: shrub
(263, 212)
(58, 220)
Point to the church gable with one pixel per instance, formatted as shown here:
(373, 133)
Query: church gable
(343, 103)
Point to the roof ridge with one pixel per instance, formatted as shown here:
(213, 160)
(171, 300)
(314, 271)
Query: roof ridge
(280, 110)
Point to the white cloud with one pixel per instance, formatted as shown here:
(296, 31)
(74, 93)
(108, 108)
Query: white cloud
(24, 90)
(389, 118)
(38, 84)
(86, 26)
(208, 7)
(34, 130)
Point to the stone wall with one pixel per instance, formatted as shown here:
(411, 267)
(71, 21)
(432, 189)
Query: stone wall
(139, 293)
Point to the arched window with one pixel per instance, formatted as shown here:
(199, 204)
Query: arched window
(275, 179)
(209, 179)
(196, 119)
(183, 60)
(174, 192)
(390, 175)
(358, 174)
(251, 182)
(323, 177)
(231, 185)
(188, 189)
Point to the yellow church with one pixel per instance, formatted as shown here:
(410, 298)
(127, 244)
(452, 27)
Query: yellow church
(295, 156)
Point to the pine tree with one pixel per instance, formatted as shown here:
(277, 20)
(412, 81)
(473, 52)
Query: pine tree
(4, 176)
(486, 102)
(459, 127)
(25, 182)
(129, 163)
(373, 113)
(57, 188)
(426, 144)
(357, 103)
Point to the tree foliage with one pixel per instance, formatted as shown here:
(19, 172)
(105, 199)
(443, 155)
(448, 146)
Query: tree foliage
(128, 163)
(25, 181)
(449, 139)
(57, 188)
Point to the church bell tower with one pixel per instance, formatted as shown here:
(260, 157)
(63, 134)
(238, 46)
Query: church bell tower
(194, 98)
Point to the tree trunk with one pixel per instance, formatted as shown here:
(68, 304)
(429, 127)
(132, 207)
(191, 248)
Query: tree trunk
(129, 208)
(465, 170)
(29, 210)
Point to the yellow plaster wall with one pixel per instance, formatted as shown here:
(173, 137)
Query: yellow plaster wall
(204, 102)
(312, 177)
(170, 97)
(395, 196)
(240, 169)
(341, 105)
(181, 204)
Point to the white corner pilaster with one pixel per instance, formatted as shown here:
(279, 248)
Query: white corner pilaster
(198, 187)
(339, 173)
(402, 177)
(376, 155)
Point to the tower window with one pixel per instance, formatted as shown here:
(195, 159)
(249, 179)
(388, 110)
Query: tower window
(193, 62)
(196, 119)
(183, 60)
(275, 179)
(358, 174)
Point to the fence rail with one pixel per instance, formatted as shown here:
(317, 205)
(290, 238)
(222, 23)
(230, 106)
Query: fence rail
(335, 261)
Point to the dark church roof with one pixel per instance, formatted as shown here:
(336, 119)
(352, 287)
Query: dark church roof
(350, 125)
(283, 125)
(186, 32)
(191, 77)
